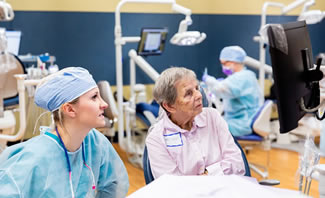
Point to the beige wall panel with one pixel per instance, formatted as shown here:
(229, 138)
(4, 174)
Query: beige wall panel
(197, 6)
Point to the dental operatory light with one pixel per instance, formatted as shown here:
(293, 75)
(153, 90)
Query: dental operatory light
(312, 16)
(187, 38)
(6, 11)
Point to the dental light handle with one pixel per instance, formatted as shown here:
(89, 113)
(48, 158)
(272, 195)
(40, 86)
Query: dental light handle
(203, 36)
(6, 11)
(183, 25)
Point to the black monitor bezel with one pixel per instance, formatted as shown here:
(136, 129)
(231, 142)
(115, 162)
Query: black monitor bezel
(288, 74)
(141, 43)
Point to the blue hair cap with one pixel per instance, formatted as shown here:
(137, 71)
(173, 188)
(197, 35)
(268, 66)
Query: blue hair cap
(233, 53)
(62, 87)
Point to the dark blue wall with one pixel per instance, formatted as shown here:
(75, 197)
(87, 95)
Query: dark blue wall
(87, 39)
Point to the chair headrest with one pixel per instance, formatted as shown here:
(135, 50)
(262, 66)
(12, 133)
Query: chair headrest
(266, 104)
(10, 84)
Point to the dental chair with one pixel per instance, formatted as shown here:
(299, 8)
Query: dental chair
(261, 127)
(9, 102)
(147, 113)
(9, 87)
(110, 113)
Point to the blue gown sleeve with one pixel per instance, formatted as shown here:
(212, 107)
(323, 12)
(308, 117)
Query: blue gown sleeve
(219, 88)
(8, 187)
(113, 179)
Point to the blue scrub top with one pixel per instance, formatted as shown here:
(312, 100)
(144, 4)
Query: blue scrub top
(38, 168)
(243, 102)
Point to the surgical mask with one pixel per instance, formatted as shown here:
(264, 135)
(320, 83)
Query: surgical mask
(226, 70)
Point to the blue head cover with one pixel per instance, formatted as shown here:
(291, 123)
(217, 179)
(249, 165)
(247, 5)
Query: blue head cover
(63, 86)
(233, 53)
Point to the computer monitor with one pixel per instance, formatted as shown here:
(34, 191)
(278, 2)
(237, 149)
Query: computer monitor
(292, 62)
(13, 41)
(152, 41)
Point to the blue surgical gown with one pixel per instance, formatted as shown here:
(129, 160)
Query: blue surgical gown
(242, 98)
(38, 168)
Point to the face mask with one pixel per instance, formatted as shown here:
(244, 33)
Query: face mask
(226, 70)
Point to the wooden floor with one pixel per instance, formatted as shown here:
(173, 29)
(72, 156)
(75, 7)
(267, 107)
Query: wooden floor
(283, 166)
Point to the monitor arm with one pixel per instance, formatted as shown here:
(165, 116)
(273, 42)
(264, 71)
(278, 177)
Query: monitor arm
(312, 78)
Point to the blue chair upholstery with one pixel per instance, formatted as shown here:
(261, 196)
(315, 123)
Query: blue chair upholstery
(11, 101)
(142, 106)
(146, 167)
(205, 101)
(247, 170)
(250, 137)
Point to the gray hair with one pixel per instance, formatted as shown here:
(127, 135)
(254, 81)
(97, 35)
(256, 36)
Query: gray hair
(164, 89)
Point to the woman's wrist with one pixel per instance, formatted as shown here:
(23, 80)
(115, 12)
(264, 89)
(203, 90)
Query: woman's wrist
(205, 172)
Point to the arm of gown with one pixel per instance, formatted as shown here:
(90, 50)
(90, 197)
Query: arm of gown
(8, 187)
(219, 88)
(113, 179)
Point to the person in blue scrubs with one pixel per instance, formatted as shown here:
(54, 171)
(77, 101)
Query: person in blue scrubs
(240, 91)
(72, 158)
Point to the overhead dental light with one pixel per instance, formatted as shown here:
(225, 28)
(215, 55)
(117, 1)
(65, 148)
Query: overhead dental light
(6, 11)
(311, 16)
(187, 38)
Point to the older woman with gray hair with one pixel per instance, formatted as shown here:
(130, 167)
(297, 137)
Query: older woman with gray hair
(189, 139)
